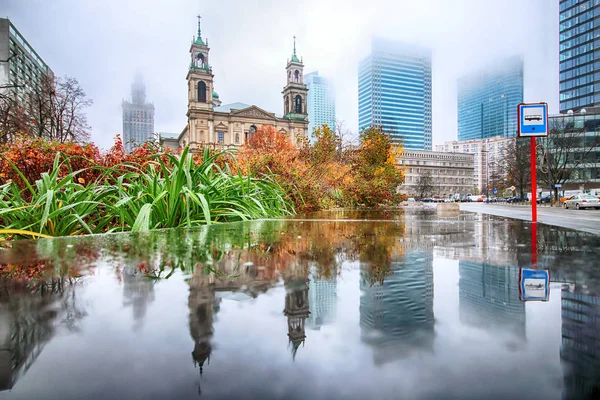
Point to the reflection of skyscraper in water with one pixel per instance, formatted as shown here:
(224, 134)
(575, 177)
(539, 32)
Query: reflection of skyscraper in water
(322, 300)
(296, 310)
(580, 351)
(28, 322)
(138, 292)
(489, 297)
(397, 318)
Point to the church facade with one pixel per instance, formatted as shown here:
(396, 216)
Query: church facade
(211, 123)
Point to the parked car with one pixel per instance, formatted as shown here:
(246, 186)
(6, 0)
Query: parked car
(515, 199)
(583, 201)
(545, 199)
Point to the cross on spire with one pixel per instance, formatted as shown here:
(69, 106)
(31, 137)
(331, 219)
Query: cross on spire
(294, 44)
(199, 17)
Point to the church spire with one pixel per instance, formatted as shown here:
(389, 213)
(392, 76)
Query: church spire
(199, 38)
(294, 57)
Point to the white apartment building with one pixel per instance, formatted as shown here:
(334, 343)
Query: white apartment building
(450, 173)
(487, 162)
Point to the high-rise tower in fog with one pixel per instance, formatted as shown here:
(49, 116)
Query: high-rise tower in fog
(138, 117)
(394, 92)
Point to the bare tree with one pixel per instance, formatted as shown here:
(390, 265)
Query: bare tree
(50, 108)
(424, 184)
(517, 165)
(570, 145)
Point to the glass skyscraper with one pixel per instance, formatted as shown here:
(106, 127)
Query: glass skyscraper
(394, 92)
(321, 102)
(579, 55)
(488, 100)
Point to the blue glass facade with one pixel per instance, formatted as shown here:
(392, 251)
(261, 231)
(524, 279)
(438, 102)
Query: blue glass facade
(394, 92)
(488, 99)
(321, 102)
(579, 54)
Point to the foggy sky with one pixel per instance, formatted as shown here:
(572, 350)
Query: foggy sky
(104, 43)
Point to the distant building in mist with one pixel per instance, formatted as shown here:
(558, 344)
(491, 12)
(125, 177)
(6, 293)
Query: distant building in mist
(488, 99)
(320, 102)
(21, 68)
(394, 92)
(138, 117)
(579, 56)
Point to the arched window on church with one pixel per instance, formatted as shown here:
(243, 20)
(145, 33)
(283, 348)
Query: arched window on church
(298, 105)
(200, 60)
(202, 92)
(289, 76)
(296, 76)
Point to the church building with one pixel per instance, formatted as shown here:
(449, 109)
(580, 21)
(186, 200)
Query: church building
(211, 123)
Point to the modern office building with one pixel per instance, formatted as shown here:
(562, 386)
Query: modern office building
(450, 173)
(488, 99)
(579, 56)
(394, 92)
(320, 102)
(21, 68)
(575, 140)
(138, 117)
(488, 164)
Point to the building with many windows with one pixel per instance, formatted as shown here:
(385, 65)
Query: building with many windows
(488, 164)
(394, 92)
(573, 149)
(21, 68)
(488, 99)
(450, 173)
(320, 102)
(138, 117)
(579, 56)
(213, 124)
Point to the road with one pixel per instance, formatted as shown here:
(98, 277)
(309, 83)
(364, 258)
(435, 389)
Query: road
(582, 220)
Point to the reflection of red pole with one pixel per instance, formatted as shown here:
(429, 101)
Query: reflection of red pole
(534, 245)
(533, 204)
(533, 181)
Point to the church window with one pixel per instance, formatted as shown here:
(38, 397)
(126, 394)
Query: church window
(221, 137)
(237, 137)
(287, 104)
(296, 76)
(298, 104)
(200, 60)
(202, 92)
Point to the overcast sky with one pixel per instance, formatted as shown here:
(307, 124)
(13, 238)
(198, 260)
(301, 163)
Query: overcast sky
(104, 43)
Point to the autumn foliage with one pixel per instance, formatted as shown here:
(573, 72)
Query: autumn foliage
(325, 174)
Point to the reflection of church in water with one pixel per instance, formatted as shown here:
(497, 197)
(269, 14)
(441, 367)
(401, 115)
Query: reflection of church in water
(204, 304)
(396, 317)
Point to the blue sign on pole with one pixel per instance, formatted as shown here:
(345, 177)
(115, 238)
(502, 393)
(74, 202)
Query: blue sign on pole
(534, 284)
(532, 120)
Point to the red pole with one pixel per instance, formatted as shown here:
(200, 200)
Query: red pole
(534, 245)
(533, 181)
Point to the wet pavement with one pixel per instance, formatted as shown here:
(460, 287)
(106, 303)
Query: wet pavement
(334, 305)
(586, 220)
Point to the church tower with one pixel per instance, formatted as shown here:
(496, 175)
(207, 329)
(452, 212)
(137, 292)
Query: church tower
(199, 76)
(295, 91)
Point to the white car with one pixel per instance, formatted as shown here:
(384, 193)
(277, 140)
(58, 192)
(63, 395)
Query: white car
(583, 201)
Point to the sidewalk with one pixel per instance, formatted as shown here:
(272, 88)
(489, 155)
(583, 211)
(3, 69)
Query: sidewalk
(582, 220)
